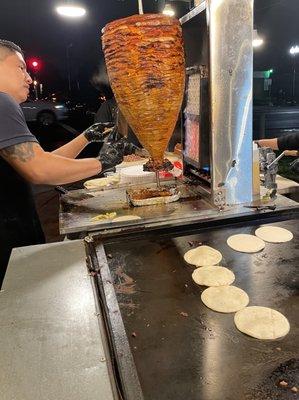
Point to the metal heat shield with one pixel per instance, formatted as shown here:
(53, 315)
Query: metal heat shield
(196, 107)
(231, 60)
(218, 35)
(196, 125)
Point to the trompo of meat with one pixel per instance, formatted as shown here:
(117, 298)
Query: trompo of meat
(145, 62)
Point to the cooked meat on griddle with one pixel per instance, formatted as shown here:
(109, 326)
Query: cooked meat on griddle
(146, 193)
(145, 62)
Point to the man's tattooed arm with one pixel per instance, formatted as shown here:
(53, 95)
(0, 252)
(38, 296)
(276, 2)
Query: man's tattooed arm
(19, 152)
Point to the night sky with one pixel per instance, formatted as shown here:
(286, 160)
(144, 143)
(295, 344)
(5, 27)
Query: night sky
(35, 26)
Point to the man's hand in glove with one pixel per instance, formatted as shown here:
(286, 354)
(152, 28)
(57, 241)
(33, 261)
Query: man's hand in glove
(130, 148)
(97, 132)
(111, 155)
(142, 153)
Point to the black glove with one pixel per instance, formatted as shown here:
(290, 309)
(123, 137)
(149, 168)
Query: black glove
(294, 166)
(96, 132)
(111, 155)
(128, 147)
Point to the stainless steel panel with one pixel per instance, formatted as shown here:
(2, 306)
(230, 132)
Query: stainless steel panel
(50, 339)
(192, 208)
(230, 26)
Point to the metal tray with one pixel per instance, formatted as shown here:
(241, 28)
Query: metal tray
(174, 196)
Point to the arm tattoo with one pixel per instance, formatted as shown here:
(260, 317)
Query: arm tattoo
(20, 152)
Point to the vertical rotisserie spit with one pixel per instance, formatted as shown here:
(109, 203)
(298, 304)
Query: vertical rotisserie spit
(145, 62)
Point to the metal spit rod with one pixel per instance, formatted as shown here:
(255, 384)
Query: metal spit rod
(158, 180)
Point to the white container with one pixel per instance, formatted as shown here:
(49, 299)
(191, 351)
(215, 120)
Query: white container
(136, 175)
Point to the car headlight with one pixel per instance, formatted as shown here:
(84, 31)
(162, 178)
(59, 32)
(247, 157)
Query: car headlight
(59, 106)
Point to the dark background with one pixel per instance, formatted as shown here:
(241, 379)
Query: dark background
(42, 33)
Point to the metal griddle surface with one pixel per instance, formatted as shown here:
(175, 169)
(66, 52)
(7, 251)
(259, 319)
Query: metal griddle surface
(201, 355)
(76, 214)
(77, 211)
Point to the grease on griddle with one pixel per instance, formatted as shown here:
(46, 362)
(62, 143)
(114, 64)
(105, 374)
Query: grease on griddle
(279, 384)
(184, 314)
(124, 284)
(194, 243)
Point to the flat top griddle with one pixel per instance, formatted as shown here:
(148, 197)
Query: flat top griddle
(183, 350)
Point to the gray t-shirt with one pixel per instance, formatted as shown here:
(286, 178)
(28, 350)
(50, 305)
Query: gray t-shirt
(19, 222)
(13, 127)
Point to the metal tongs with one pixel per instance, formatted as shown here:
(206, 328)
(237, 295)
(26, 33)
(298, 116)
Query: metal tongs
(73, 196)
(262, 207)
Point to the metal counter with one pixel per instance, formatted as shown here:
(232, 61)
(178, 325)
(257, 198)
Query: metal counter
(181, 349)
(51, 346)
(77, 211)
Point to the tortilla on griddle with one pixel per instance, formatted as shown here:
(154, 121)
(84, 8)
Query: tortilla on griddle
(225, 299)
(262, 322)
(274, 234)
(245, 243)
(203, 256)
(213, 276)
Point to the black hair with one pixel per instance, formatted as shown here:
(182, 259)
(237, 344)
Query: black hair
(10, 46)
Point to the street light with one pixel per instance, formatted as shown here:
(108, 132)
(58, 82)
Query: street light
(35, 83)
(294, 50)
(34, 66)
(168, 10)
(257, 41)
(71, 11)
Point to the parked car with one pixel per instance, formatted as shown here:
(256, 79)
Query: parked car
(45, 112)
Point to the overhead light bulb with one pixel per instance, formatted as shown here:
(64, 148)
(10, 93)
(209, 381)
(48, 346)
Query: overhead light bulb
(168, 10)
(71, 11)
(257, 41)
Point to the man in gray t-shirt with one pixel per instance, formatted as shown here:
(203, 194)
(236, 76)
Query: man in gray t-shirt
(19, 222)
(23, 161)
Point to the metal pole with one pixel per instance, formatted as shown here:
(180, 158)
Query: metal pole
(276, 160)
(68, 65)
(35, 88)
(294, 80)
(140, 7)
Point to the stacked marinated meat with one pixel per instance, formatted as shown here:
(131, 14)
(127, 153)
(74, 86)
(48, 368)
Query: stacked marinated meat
(145, 62)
